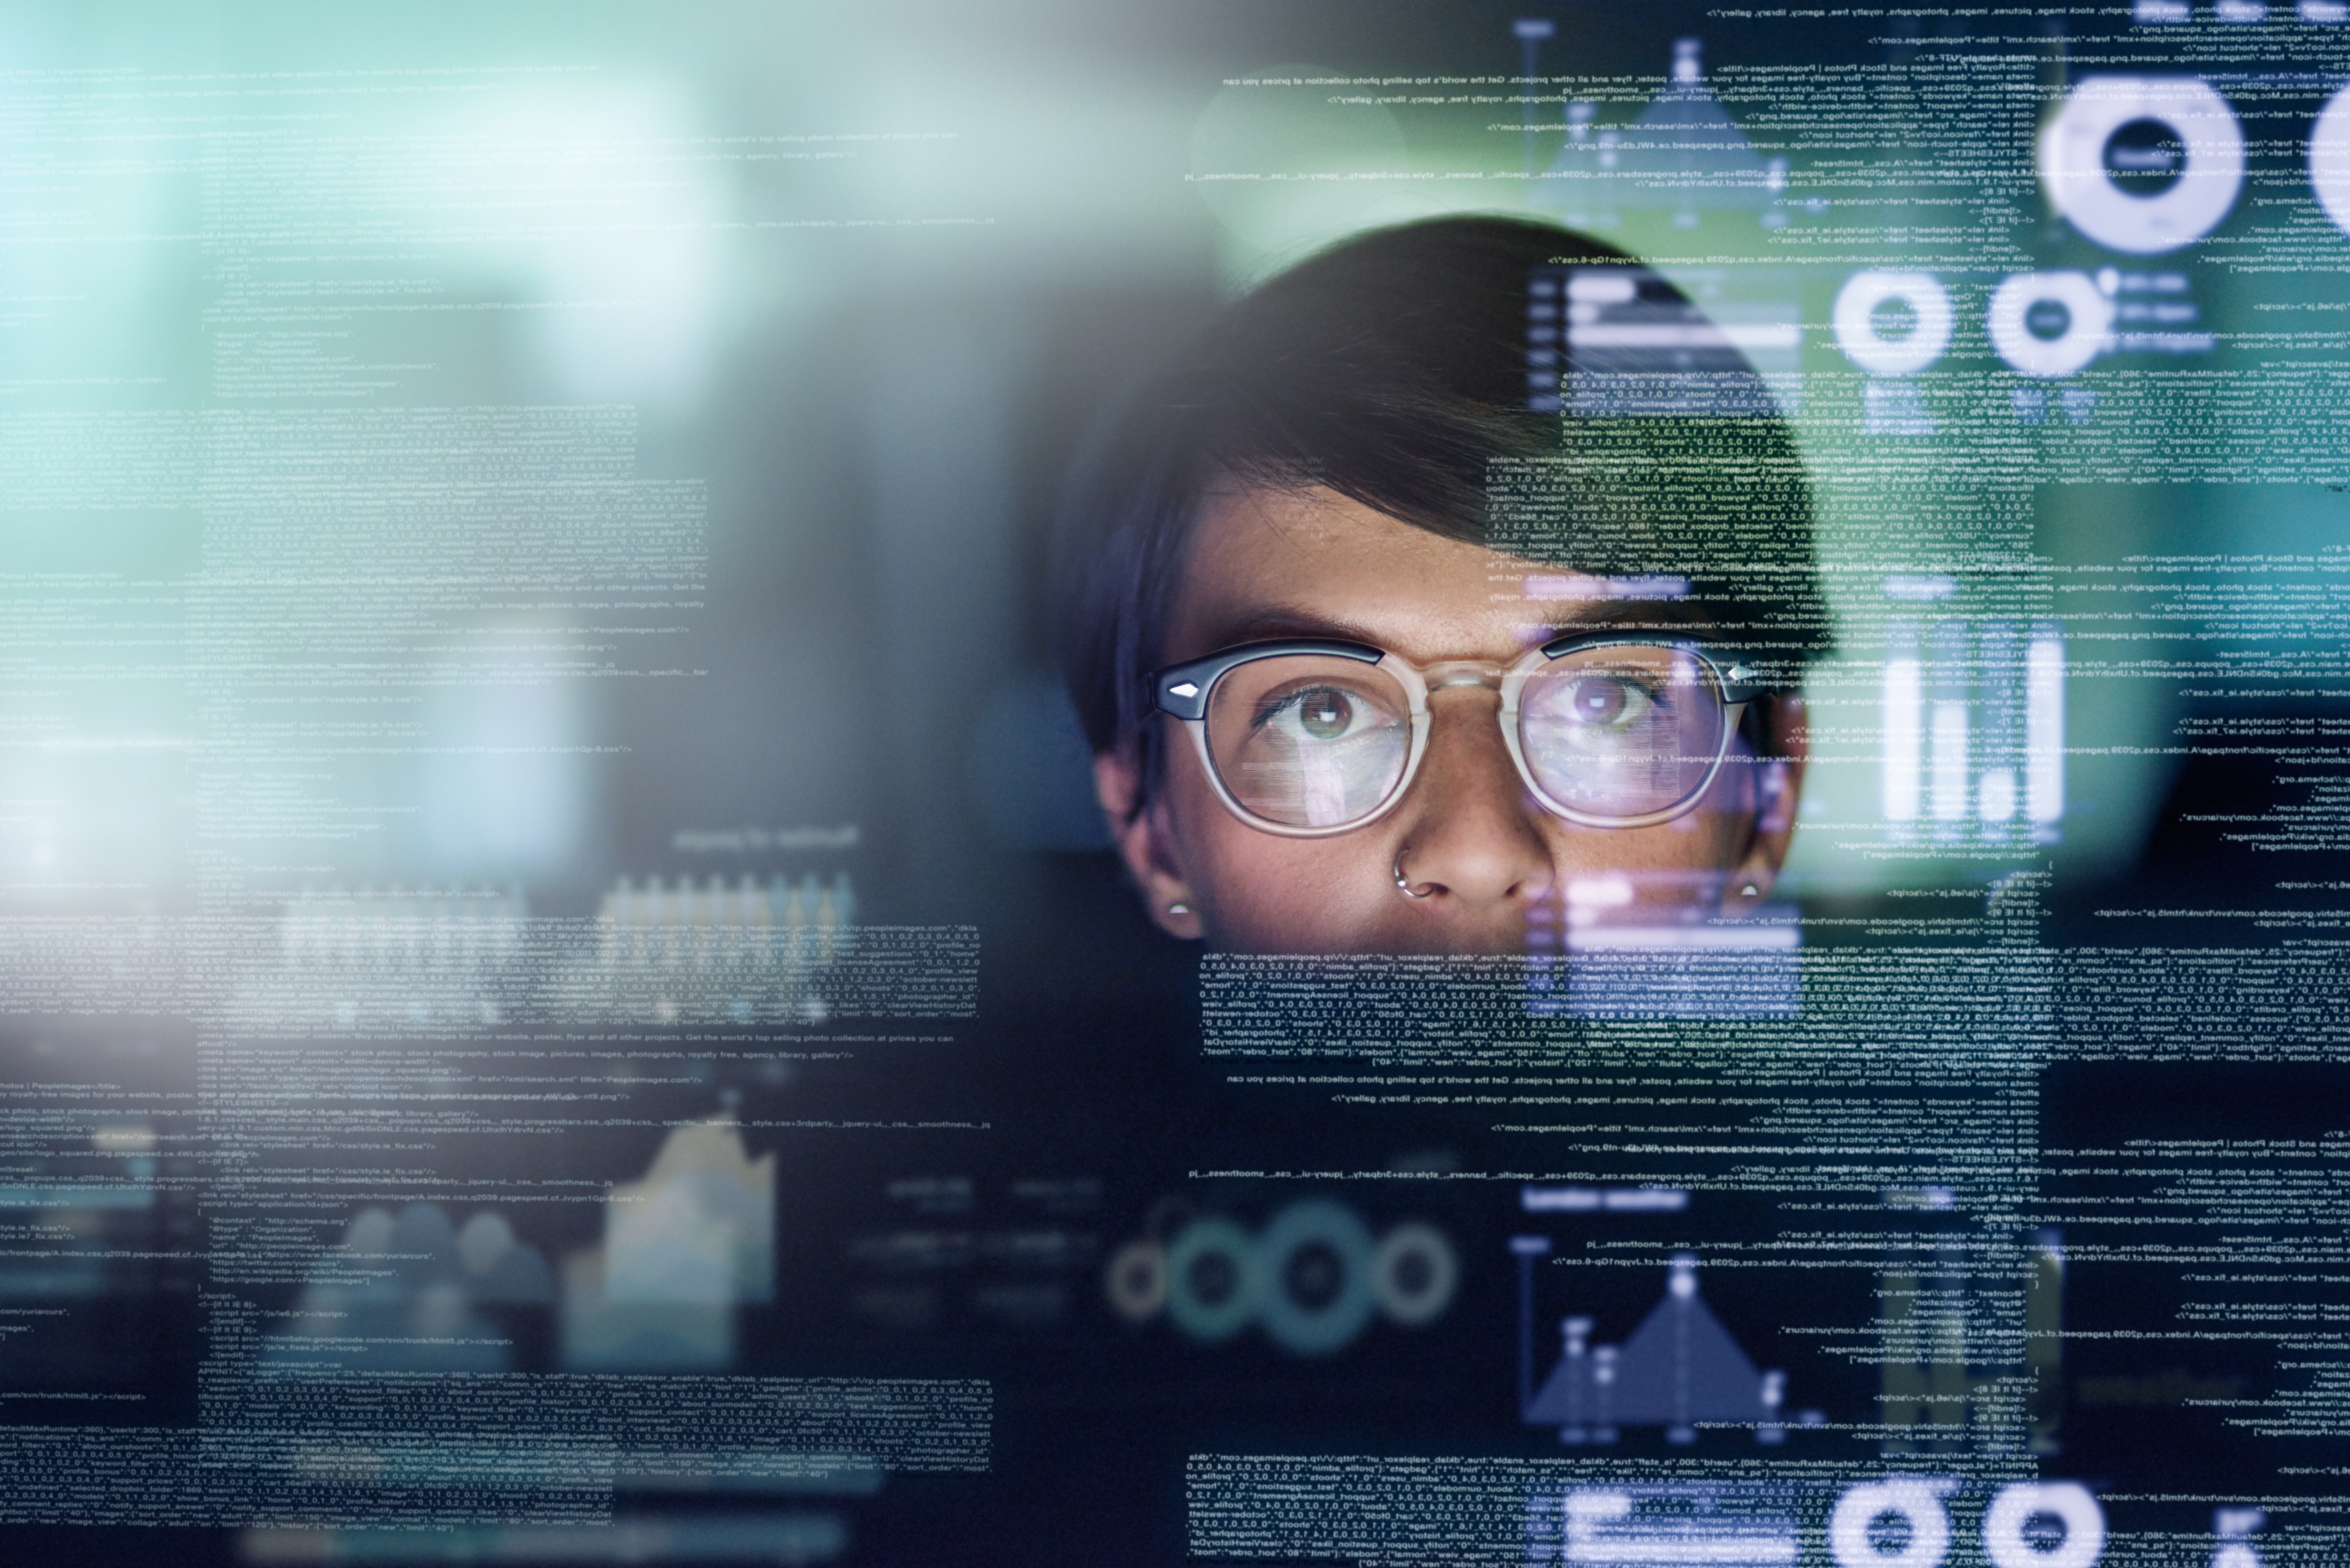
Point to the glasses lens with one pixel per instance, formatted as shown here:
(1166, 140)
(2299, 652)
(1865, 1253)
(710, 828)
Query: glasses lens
(1309, 742)
(1621, 732)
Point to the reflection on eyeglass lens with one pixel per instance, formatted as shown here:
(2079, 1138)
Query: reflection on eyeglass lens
(1620, 731)
(1321, 743)
(1617, 731)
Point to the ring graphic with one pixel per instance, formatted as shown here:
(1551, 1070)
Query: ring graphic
(1915, 1502)
(1211, 1279)
(2007, 1546)
(2072, 162)
(2088, 317)
(1854, 321)
(1135, 1280)
(1314, 1274)
(1414, 1274)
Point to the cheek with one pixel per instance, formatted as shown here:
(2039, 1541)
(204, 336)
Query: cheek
(1259, 891)
(1677, 862)
(1718, 837)
(1291, 894)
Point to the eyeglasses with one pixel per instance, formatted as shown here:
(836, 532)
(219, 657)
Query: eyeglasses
(1310, 738)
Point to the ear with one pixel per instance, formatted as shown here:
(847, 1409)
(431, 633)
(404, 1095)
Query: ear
(1145, 843)
(1778, 780)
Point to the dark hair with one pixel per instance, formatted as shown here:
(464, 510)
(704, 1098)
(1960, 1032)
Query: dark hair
(1394, 368)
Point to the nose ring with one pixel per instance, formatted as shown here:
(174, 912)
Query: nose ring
(1403, 883)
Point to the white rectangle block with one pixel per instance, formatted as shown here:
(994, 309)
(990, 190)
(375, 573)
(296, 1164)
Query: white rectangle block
(2043, 729)
(1904, 735)
(1949, 761)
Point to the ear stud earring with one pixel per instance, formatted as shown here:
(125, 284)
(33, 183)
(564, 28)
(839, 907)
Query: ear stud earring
(1180, 909)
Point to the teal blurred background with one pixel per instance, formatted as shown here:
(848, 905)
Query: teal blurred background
(501, 444)
(486, 460)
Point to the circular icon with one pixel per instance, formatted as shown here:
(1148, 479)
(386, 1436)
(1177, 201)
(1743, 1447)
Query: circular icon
(2002, 1526)
(2072, 151)
(1315, 1264)
(1414, 1274)
(2089, 314)
(1859, 334)
(1211, 1279)
(2329, 159)
(1862, 1505)
(1135, 1280)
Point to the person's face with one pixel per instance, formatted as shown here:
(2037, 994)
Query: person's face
(1467, 833)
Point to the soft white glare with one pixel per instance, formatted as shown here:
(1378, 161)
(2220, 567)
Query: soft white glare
(1904, 711)
(2043, 729)
(1949, 761)
(1995, 795)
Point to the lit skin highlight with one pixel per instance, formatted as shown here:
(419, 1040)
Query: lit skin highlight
(1266, 563)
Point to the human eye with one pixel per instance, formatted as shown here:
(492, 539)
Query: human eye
(1311, 743)
(1614, 701)
(1322, 714)
(1602, 704)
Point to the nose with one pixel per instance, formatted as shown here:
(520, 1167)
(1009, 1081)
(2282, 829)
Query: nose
(1467, 835)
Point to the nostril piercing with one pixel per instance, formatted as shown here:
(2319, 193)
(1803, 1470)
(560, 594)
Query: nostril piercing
(1403, 882)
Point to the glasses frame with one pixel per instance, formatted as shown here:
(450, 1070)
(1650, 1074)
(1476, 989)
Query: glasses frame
(1183, 692)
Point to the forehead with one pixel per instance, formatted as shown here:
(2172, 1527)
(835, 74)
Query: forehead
(1267, 563)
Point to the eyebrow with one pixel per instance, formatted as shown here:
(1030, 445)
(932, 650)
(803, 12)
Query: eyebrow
(1282, 621)
(1275, 622)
